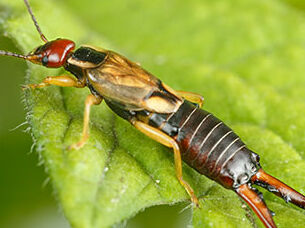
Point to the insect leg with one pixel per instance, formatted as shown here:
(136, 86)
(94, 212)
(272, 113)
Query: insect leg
(164, 139)
(63, 80)
(192, 97)
(90, 100)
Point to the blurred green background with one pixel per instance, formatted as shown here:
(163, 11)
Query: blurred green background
(25, 200)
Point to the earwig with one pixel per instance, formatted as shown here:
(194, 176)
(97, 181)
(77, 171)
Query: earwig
(172, 118)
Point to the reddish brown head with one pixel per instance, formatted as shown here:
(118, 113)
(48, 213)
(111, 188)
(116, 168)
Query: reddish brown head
(52, 54)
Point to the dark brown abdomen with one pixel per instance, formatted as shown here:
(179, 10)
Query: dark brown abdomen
(208, 145)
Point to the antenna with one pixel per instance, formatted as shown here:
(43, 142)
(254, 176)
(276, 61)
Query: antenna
(35, 21)
(27, 57)
(13, 54)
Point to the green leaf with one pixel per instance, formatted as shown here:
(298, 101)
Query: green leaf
(245, 57)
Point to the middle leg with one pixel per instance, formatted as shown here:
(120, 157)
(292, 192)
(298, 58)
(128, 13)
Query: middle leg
(90, 100)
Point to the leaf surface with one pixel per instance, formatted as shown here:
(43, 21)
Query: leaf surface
(245, 57)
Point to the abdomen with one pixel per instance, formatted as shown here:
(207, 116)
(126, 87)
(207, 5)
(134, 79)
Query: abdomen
(207, 144)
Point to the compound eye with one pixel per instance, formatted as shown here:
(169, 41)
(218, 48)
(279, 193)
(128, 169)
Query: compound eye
(45, 60)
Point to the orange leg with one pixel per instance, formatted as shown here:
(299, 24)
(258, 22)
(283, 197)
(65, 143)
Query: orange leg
(164, 139)
(63, 80)
(90, 100)
(192, 97)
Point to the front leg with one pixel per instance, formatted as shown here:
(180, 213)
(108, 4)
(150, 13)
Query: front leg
(63, 81)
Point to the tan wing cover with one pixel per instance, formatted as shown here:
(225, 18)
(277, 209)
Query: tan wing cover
(126, 83)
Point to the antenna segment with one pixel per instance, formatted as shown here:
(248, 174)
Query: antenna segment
(35, 21)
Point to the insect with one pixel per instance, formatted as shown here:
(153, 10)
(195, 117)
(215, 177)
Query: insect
(172, 118)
